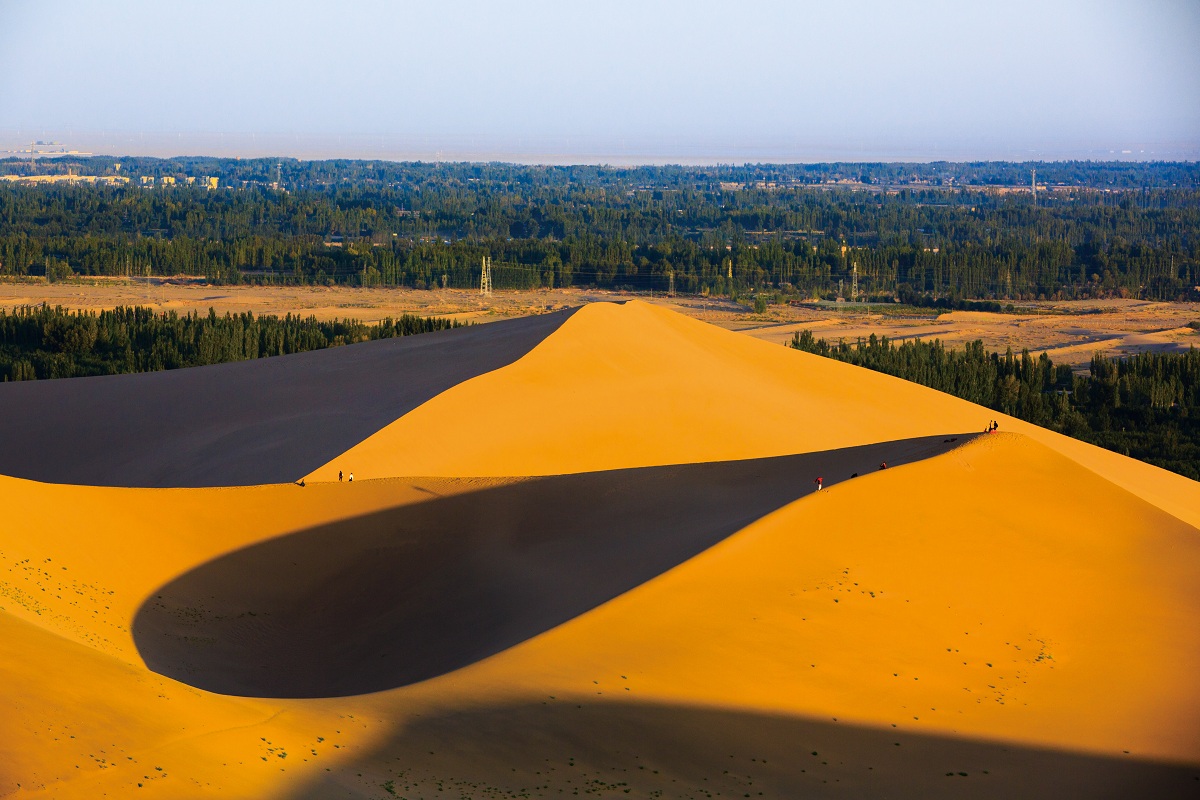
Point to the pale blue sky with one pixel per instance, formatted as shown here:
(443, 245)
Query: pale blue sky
(616, 81)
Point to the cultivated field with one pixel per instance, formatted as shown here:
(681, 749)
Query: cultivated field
(1069, 331)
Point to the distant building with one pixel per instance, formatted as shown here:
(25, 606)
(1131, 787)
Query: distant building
(32, 180)
(167, 180)
(209, 182)
(147, 180)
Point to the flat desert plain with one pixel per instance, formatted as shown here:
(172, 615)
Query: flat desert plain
(584, 557)
(1070, 332)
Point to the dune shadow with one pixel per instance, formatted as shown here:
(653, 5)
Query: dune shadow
(629, 749)
(267, 420)
(412, 592)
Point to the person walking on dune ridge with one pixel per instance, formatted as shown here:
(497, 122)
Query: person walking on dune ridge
(819, 482)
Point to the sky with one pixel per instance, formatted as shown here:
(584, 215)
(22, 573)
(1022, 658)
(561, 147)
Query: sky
(609, 82)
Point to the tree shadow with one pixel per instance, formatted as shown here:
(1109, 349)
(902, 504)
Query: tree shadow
(402, 595)
(626, 748)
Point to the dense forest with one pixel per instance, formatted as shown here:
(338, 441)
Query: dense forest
(1146, 406)
(918, 231)
(44, 342)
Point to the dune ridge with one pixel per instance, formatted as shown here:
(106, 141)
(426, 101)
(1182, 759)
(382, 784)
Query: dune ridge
(638, 385)
(249, 422)
(1010, 609)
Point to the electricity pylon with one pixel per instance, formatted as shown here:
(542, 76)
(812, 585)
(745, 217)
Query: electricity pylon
(485, 279)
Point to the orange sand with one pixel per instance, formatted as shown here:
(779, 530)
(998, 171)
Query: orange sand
(1025, 590)
(637, 385)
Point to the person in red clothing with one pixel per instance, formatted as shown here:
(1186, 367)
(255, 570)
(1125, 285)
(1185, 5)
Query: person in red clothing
(819, 482)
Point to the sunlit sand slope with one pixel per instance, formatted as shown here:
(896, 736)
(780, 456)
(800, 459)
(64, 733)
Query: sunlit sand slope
(80, 715)
(75, 723)
(815, 629)
(995, 622)
(637, 385)
(263, 421)
(999, 591)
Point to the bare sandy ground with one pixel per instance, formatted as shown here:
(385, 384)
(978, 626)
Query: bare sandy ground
(671, 610)
(1069, 331)
(369, 305)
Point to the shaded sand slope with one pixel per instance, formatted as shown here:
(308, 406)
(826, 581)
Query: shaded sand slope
(435, 586)
(637, 385)
(543, 749)
(77, 723)
(860, 642)
(264, 421)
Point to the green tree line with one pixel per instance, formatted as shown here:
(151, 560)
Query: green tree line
(941, 231)
(41, 342)
(1146, 406)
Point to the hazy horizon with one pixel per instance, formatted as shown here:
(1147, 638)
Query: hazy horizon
(626, 83)
(566, 151)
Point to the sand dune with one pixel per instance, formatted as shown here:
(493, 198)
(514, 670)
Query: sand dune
(264, 421)
(864, 602)
(443, 583)
(637, 385)
(670, 610)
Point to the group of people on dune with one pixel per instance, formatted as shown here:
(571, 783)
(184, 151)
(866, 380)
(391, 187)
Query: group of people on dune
(992, 427)
(820, 482)
(341, 477)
